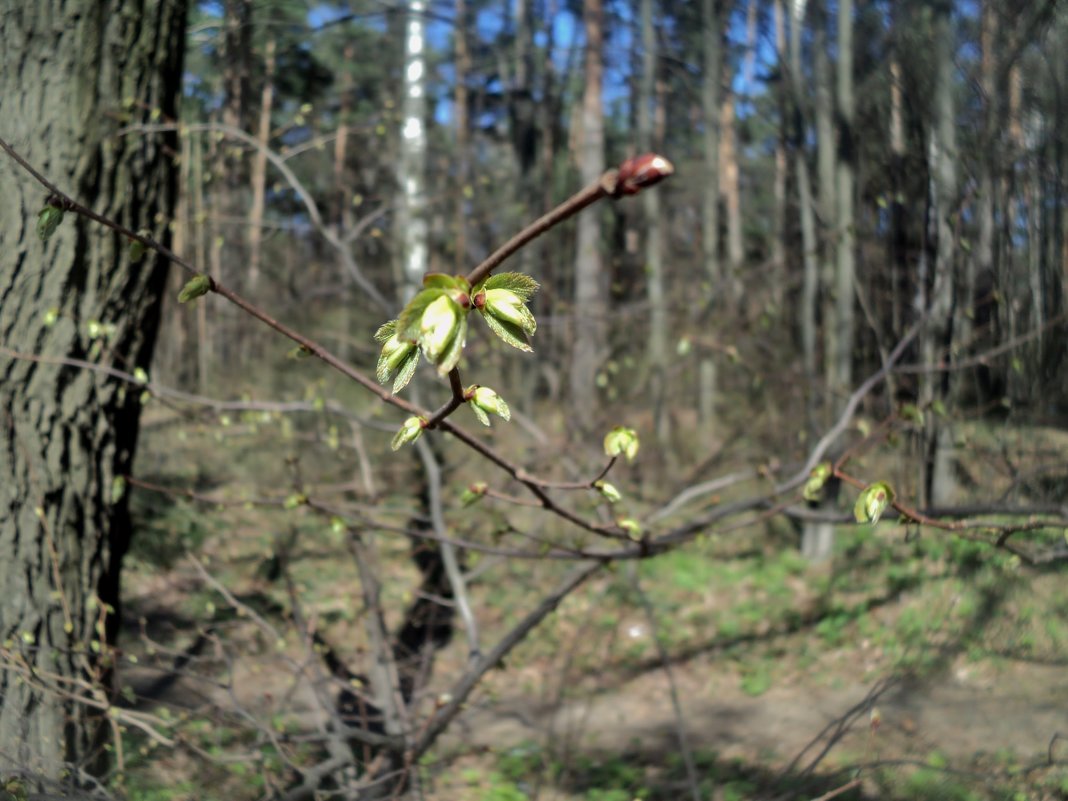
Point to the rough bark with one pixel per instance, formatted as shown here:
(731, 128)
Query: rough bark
(67, 435)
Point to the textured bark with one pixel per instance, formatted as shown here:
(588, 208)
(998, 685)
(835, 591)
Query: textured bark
(589, 279)
(67, 434)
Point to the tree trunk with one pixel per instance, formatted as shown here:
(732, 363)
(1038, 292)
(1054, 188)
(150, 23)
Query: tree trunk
(937, 340)
(590, 311)
(411, 175)
(67, 434)
(827, 210)
(845, 230)
(732, 196)
(463, 158)
(778, 234)
(657, 352)
(259, 170)
(710, 111)
(712, 55)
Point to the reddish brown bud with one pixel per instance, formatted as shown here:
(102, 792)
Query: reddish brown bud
(642, 171)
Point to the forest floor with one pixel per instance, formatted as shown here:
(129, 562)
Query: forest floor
(917, 703)
(909, 668)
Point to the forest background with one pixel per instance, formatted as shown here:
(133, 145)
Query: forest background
(859, 262)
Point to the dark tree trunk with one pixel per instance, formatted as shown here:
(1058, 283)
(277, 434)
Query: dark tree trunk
(67, 434)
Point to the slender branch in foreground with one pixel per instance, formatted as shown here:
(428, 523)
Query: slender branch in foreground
(448, 550)
(462, 689)
(613, 184)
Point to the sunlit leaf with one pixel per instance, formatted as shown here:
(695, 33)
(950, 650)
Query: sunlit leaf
(521, 285)
(512, 334)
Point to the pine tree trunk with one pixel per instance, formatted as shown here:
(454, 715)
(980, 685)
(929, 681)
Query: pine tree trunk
(67, 434)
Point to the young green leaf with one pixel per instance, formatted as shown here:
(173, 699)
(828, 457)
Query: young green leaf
(410, 319)
(872, 502)
(523, 286)
(444, 281)
(406, 371)
(609, 491)
(198, 285)
(410, 430)
(621, 441)
(484, 401)
(48, 220)
(455, 349)
(508, 307)
(511, 334)
(817, 477)
(474, 493)
(385, 331)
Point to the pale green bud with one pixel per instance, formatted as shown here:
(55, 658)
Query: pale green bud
(484, 402)
(621, 441)
(630, 525)
(474, 493)
(409, 432)
(438, 327)
(394, 351)
(506, 305)
(816, 479)
(609, 491)
(872, 502)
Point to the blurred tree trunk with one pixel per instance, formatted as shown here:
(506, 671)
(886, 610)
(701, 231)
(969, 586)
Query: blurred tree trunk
(982, 267)
(712, 59)
(778, 214)
(732, 197)
(937, 337)
(817, 539)
(805, 203)
(259, 170)
(411, 167)
(349, 322)
(845, 227)
(462, 156)
(898, 238)
(228, 256)
(827, 214)
(590, 308)
(200, 251)
(67, 435)
(650, 137)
